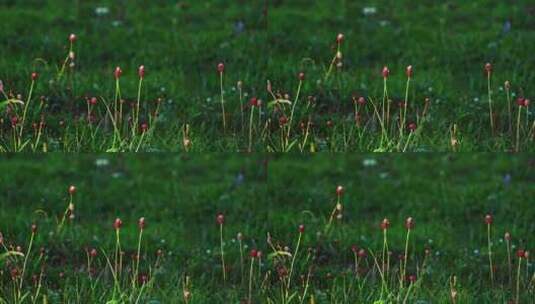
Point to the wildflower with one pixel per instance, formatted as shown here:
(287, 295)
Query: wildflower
(117, 224)
(35, 76)
(488, 219)
(488, 68)
(72, 189)
(141, 223)
(385, 224)
(221, 68)
(118, 72)
(220, 218)
(340, 38)
(409, 71)
(141, 71)
(339, 190)
(301, 228)
(72, 38)
(386, 72)
(409, 223)
(301, 76)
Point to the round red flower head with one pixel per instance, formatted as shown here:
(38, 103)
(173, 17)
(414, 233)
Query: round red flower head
(361, 101)
(144, 127)
(220, 219)
(385, 224)
(283, 120)
(72, 38)
(221, 67)
(117, 224)
(72, 189)
(409, 223)
(412, 127)
(35, 76)
(386, 72)
(339, 190)
(141, 71)
(253, 254)
(521, 253)
(34, 228)
(253, 102)
(118, 73)
(488, 219)
(301, 76)
(301, 228)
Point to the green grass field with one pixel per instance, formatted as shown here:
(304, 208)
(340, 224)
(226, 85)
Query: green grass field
(447, 195)
(181, 42)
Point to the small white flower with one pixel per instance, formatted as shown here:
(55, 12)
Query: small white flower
(369, 162)
(102, 162)
(369, 10)
(102, 10)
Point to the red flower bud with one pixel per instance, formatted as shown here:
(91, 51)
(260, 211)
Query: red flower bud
(339, 190)
(35, 76)
(141, 223)
(340, 38)
(34, 228)
(253, 254)
(522, 102)
(412, 127)
(361, 101)
(386, 72)
(117, 224)
(521, 253)
(141, 71)
(362, 253)
(93, 101)
(488, 68)
(220, 218)
(253, 102)
(385, 224)
(301, 76)
(144, 127)
(93, 253)
(488, 219)
(301, 228)
(283, 120)
(409, 223)
(221, 68)
(409, 71)
(118, 72)
(72, 38)
(72, 189)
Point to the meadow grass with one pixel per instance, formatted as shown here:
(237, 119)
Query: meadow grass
(180, 44)
(265, 200)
